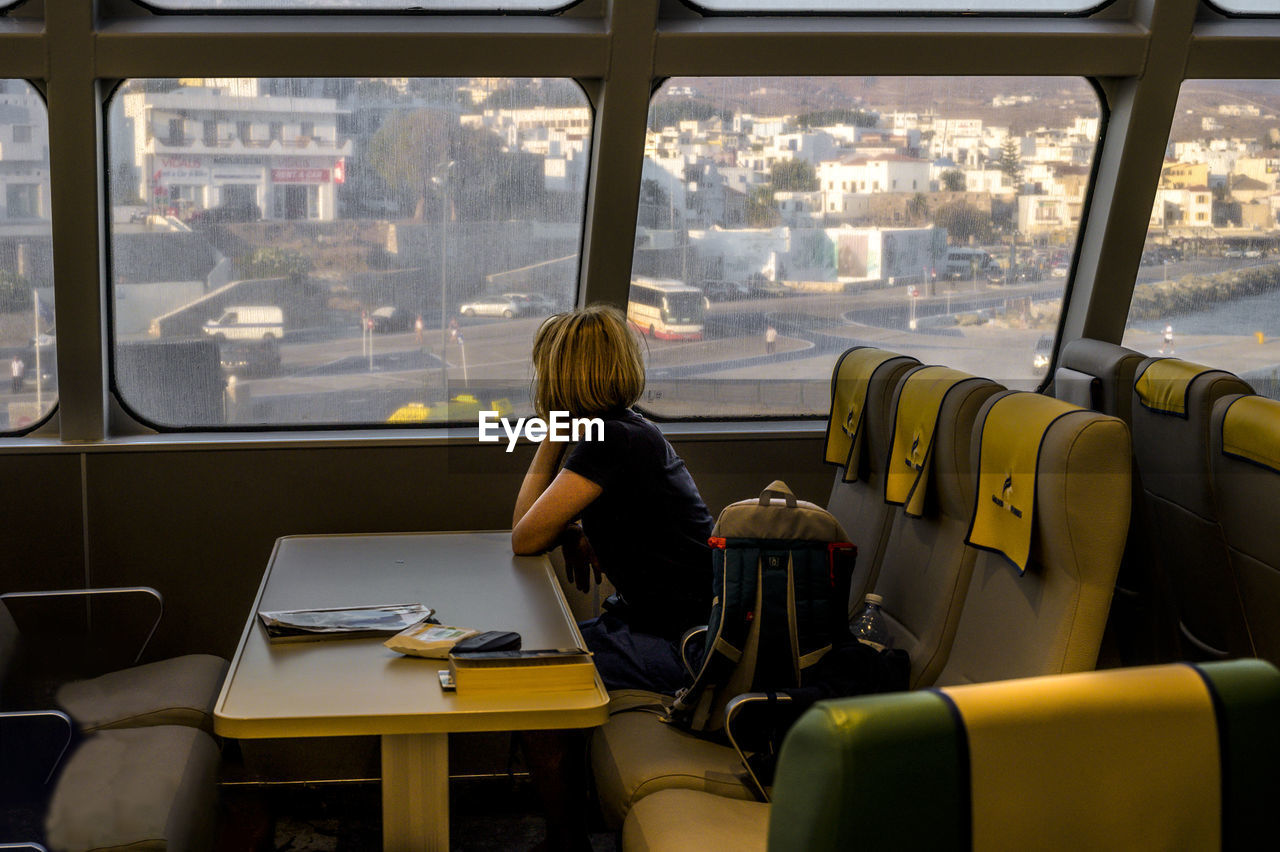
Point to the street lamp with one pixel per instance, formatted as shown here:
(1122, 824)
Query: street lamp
(440, 178)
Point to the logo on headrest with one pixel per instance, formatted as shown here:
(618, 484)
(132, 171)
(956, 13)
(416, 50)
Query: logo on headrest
(1006, 503)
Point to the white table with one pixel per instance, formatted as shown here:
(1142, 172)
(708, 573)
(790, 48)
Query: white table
(360, 687)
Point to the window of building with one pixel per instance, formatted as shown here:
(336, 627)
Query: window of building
(393, 274)
(969, 282)
(361, 5)
(27, 333)
(1208, 281)
(1248, 7)
(994, 7)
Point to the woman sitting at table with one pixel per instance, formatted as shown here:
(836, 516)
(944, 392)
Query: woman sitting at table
(642, 523)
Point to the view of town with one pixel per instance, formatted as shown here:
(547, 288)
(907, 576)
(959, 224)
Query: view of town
(381, 250)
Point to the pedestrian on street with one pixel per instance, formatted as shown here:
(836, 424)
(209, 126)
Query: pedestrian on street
(770, 339)
(17, 371)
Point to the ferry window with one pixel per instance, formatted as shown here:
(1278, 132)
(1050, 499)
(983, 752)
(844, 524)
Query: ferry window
(1207, 284)
(339, 251)
(27, 332)
(1248, 7)
(772, 263)
(994, 7)
(361, 5)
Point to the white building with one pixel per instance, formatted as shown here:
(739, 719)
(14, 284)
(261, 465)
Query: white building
(24, 160)
(888, 173)
(199, 147)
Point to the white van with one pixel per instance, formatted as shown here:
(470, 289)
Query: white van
(247, 322)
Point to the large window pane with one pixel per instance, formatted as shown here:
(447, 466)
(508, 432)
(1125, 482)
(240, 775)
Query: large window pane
(1248, 7)
(996, 7)
(335, 251)
(1208, 288)
(932, 216)
(26, 266)
(361, 5)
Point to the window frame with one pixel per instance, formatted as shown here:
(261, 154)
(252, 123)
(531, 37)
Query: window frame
(1138, 52)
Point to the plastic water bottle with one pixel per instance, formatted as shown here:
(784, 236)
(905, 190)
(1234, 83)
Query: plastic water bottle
(868, 625)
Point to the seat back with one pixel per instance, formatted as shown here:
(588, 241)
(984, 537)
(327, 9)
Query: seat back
(1098, 375)
(1050, 618)
(1164, 757)
(1183, 535)
(925, 566)
(859, 504)
(1246, 486)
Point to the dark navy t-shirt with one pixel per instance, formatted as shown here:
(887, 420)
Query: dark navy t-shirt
(649, 527)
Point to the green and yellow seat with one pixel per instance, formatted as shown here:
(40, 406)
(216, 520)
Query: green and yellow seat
(1165, 757)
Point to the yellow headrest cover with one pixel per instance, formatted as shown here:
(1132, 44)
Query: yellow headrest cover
(848, 402)
(1163, 385)
(1251, 431)
(1121, 759)
(1008, 456)
(915, 419)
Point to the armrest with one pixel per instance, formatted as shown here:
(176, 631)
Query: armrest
(688, 637)
(737, 714)
(23, 605)
(35, 741)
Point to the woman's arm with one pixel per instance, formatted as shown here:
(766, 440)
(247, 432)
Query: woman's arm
(548, 501)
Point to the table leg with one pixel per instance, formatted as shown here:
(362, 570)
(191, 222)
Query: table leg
(415, 792)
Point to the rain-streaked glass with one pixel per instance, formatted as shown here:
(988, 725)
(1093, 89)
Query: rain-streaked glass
(783, 220)
(27, 332)
(291, 252)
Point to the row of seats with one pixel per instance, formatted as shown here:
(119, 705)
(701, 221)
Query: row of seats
(1202, 574)
(135, 765)
(971, 595)
(1163, 757)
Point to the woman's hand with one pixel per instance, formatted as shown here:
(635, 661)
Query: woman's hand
(580, 560)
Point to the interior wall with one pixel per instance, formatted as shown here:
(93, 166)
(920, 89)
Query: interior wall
(199, 524)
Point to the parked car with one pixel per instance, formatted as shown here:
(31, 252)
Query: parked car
(247, 322)
(390, 320)
(226, 213)
(759, 286)
(534, 303)
(725, 291)
(494, 306)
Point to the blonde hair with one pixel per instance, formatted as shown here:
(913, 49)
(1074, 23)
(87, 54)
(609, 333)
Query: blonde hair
(586, 361)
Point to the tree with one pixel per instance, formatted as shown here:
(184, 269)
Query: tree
(793, 176)
(918, 207)
(15, 292)
(760, 210)
(962, 221)
(828, 117)
(1011, 163)
(428, 154)
(953, 180)
(655, 205)
(273, 262)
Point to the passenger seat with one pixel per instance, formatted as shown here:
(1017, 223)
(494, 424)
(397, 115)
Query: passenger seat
(1244, 453)
(1173, 402)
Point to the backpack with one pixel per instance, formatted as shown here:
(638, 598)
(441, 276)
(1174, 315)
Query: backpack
(780, 570)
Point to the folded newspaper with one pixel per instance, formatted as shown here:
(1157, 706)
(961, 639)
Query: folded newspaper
(342, 622)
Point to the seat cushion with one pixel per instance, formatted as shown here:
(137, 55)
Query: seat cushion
(676, 820)
(177, 691)
(635, 754)
(137, 788)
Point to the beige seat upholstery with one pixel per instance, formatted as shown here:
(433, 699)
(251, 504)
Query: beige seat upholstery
(1246, 496)
(176, 691)
(1050, 619)
(859, 505)
(924, 572)
(137, 789)
(1184, 540)
(1099, 375)
(695, 821)
(925, 569)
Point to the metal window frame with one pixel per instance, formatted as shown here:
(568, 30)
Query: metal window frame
(1139, 53)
